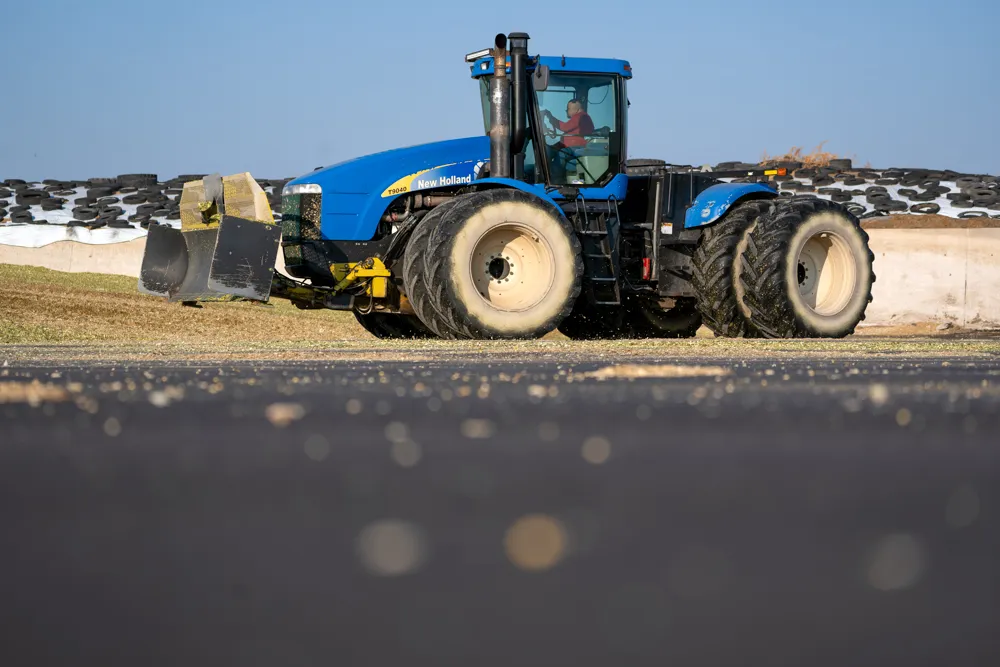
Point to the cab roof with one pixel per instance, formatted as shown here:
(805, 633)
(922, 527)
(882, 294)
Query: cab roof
(484, 66)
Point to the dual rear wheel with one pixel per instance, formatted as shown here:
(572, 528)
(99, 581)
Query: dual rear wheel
(798, 268)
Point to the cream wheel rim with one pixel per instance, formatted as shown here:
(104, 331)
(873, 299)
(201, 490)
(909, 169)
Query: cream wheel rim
(512, 267)
(826, 273)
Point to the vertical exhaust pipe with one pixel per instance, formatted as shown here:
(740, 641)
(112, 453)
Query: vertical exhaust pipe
(500, 132)
(519, 81)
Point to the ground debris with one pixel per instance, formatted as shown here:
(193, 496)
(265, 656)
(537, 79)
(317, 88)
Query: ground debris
(656, 371)
(283, 414)
(162, 398)
(33, 393)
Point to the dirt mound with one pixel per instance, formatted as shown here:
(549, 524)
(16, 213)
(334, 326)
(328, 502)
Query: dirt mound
(908, 221)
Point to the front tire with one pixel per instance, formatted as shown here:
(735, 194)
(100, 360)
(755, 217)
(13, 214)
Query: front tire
(807, 271)
(503, 264)
(414, 286)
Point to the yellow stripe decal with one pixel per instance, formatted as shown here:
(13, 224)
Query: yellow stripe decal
(404, 184)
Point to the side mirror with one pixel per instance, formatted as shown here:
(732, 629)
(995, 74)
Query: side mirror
(540, 77)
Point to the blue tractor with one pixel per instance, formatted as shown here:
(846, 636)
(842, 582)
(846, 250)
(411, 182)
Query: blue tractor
(539, 224)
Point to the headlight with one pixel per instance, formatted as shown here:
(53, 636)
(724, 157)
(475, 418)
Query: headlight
(473, 57)
(302, 189)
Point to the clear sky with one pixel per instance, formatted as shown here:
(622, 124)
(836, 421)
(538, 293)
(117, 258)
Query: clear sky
(278, 88)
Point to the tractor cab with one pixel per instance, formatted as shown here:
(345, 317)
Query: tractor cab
(575, 110)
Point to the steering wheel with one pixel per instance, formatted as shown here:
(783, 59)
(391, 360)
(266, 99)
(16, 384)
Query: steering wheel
(549, 132)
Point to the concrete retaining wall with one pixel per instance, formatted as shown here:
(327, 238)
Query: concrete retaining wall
(74, 257)
(936, 275)
(117, 258)
(923, 275)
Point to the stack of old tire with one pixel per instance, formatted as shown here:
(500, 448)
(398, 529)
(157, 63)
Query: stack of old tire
(274, 196)
(976, 191)
(101, 205)
(151, 198)
(102, 202)
(915, 189)
(49, 196)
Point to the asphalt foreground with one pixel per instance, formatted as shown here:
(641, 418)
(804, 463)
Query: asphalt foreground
(688, 503)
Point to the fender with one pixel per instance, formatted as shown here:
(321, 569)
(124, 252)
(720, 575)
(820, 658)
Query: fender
(712, 203)
(530, 188)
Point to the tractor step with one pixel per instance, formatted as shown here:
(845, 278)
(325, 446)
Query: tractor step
(601, 279)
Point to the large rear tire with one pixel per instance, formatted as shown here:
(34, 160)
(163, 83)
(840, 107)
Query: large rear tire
(503, 264)
(716, 272)
(807, 271)
(413, 273)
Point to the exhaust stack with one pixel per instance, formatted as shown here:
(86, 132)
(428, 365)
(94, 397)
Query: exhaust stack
(519, 81)
(501, 165)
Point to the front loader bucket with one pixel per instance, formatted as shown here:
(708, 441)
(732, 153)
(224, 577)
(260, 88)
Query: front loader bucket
(235, 259)
(226, 247)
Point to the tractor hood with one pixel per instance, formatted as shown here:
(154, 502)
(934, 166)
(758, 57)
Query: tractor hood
(357, 192)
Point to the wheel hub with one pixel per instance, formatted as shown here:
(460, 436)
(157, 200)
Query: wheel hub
(826, 273)
(807, 273)
(512, 267)
(499, 268)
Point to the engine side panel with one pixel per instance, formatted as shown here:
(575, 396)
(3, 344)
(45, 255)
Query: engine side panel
(357, 192)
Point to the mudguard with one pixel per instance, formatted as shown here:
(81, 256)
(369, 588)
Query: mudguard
(712, 203)
(537, 190)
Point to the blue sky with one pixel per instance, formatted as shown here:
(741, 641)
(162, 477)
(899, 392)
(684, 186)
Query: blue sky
(109, 87)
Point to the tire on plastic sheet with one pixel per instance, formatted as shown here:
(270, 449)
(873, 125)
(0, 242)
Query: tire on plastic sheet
(137, 180)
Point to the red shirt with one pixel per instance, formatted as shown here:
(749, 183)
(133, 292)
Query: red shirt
(580, 124)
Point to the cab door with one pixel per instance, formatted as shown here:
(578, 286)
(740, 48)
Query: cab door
(580, 155)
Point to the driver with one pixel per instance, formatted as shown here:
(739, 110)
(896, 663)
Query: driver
(575, 131)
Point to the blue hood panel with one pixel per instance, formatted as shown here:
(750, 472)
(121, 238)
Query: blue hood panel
(357, 192)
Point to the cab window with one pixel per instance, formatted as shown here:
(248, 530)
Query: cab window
(578, 118)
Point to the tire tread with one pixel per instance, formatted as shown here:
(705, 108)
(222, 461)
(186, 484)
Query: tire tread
(715, 271)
